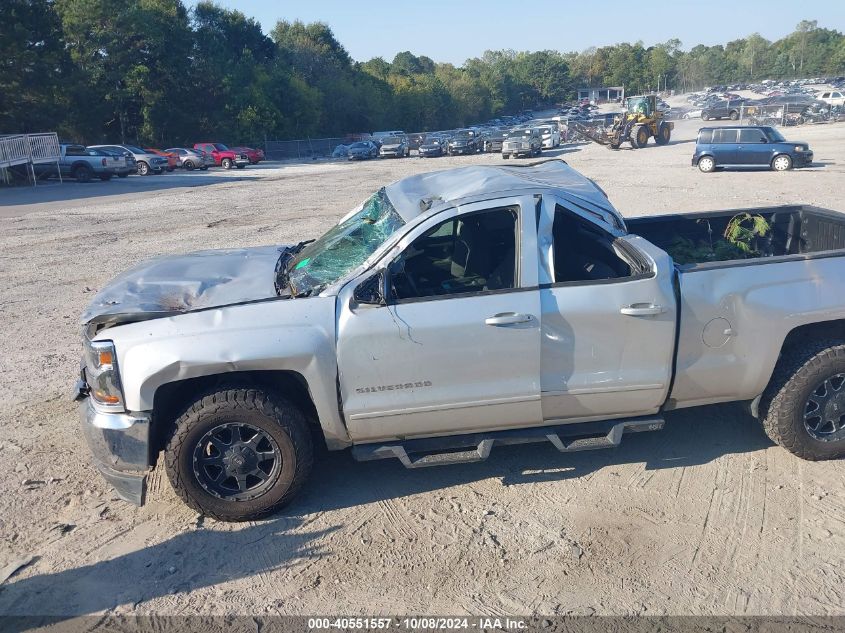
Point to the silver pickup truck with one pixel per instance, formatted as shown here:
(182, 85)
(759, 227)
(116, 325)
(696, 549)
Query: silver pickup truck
(454, 311)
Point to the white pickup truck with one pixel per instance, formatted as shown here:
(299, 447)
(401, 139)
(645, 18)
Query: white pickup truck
(454, 311)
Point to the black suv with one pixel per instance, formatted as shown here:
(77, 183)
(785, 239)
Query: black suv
(723, 110)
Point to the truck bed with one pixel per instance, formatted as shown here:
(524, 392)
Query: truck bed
(735, 313)
(797, 232)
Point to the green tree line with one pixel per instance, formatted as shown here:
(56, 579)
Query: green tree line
(155, 73)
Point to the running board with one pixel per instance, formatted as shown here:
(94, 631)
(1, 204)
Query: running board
(476, 447)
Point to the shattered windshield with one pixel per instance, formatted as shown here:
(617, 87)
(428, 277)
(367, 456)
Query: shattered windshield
(345, 247)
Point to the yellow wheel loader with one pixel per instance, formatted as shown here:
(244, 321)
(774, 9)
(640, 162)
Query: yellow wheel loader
(640, 122)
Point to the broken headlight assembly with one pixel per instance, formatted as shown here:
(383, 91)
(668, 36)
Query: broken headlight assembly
(102, 376)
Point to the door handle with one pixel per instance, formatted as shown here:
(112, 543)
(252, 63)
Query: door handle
(642, 309)
(507, 318)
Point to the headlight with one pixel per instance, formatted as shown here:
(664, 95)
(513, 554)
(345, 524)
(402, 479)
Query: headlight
(102, 375)
(800, 148)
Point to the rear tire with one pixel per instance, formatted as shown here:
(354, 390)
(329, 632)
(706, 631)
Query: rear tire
(707, 164)
(663, 135)
(808, 379)
(226, 433)
(188, 165)
(83, 173)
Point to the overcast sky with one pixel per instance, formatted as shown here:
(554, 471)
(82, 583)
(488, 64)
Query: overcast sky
(454, 30)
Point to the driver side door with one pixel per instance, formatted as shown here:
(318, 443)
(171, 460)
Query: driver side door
(456, 347)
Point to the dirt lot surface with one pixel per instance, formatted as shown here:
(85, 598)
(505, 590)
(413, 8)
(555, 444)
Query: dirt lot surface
(705, 517)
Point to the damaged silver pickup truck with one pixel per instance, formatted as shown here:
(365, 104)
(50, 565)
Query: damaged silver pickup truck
(454, 311)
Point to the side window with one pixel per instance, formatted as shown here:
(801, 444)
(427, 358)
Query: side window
(75, 150)
(469, 253)
(705, 136)
(725, 135)
(583, 252)
(751, 135)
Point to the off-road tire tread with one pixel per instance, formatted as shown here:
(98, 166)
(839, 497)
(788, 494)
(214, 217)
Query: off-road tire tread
(287, 415)
(797, 368)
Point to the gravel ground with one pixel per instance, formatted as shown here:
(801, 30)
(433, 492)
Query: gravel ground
(705, 517)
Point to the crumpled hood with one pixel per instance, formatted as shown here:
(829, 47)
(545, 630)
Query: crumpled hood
(173, 284)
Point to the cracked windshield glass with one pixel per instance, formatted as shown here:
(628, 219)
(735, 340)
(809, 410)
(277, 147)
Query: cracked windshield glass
(344, 247)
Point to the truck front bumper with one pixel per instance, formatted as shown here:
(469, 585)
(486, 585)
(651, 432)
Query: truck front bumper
(120, 444)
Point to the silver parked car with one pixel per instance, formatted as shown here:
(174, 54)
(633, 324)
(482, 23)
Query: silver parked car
(146, 162)
(452, 312)
(190, 159)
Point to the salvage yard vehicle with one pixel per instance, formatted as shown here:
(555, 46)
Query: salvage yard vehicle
(146, 162)
(723, 110)
(190, 159)
(86, 163)
(525, 142)
(172, 162)
(832, 97)
(362, 150)
(431, 147)
(549, 135)
(223, 156)
(748, 146)
(395, 146)
(129, 165)
(452, 312)
(495, 140)
(463, 142)
(255, 156)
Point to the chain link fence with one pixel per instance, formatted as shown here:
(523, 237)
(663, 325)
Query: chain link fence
(786, 114)
(303, 149)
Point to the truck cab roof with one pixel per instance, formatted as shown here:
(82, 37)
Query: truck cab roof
(421, 193)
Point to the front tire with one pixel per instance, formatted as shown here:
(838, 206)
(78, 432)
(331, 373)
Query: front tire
(734, 116)
(239, 454)
(781, 162)
(226, 163)
(803, 408)
(143, 169)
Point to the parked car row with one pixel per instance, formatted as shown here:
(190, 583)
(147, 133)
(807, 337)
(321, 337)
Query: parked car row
(488, 138)
(85, 163)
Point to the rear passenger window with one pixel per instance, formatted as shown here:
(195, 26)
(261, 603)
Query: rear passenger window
(725, 136)
(583, 252)
(751, 136)
(705, 136)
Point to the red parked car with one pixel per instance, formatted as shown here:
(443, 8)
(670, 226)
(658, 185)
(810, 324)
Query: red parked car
(255, 155)
(223, 156)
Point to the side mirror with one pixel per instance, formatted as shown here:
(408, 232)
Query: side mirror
(372, 291)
